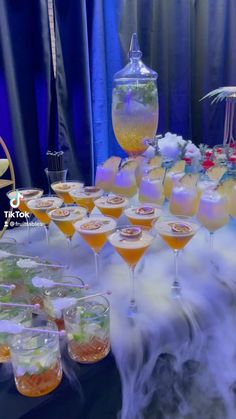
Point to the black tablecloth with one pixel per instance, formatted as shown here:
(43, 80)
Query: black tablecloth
(96, 395)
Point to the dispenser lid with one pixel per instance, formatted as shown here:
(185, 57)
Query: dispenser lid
(135, 69)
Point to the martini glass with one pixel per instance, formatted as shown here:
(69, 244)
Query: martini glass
(40, 206)
(86, 196)
(28, 194)
(62, 189)
(65, 217)
(176, 231)
(143, 215)
(131, 242)
(95, 232)
(111, 205)
(213, 212)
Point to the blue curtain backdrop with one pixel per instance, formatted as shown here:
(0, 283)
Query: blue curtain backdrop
(190, 43)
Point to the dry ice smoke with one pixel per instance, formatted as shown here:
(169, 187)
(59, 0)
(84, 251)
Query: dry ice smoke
(177, 359)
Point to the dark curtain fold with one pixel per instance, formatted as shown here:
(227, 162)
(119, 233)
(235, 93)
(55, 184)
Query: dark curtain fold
(73, 88)
(26, 89)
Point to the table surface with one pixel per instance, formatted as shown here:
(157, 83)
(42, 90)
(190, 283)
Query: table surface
(176, 359)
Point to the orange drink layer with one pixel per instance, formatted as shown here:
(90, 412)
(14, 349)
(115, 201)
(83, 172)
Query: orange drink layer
(131, 256)
(90, 351)
(39, 207)
(41, 216)
(143, 215)
(95, 230)
(131, 249)
(66, 197)
(4, 353)
(65, 218)
(112, 212)
(176, 232)
(66, 227)
(95, 241)
(35, 385)
(141, 222)
(23, 207)
(87, 203)
(176, 242)
(28, 194)
(113, 205)
(86, 196)
(62, 189)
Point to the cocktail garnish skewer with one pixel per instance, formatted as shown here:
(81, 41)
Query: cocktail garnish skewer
(8, 326)
(48, 283)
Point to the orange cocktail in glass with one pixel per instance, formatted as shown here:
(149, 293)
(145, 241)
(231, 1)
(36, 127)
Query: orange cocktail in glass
(143, 215)
(95, 232)
(131, 242)
(65, 218)
(40, 207)
(112, 205)
(85, 197)
(62, 189)
(176, 231)
(87, 326)
(36, 361)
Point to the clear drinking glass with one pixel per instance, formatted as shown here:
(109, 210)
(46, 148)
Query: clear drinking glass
(10, 273)
(55, 176)
(57, 298)
(8, 244)
(213, 212)
(183, 200)
(87, 325)
(18, 315)
(36, 361)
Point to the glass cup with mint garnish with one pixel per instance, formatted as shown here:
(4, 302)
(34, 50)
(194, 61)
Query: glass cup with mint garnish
(87, 325)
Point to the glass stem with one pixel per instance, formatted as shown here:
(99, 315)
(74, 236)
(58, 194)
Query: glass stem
(46, 227)
(28, 229)
(211, 240)
(96, 259)
(176, 285)
(132, 282)
(69, 240)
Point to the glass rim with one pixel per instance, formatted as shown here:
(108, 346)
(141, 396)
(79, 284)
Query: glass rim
(67, 181)
(174, 219)
(25, 189)
(48, 339)
(55, 288)
(42, 197)
(78, 304)
(65, 206)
